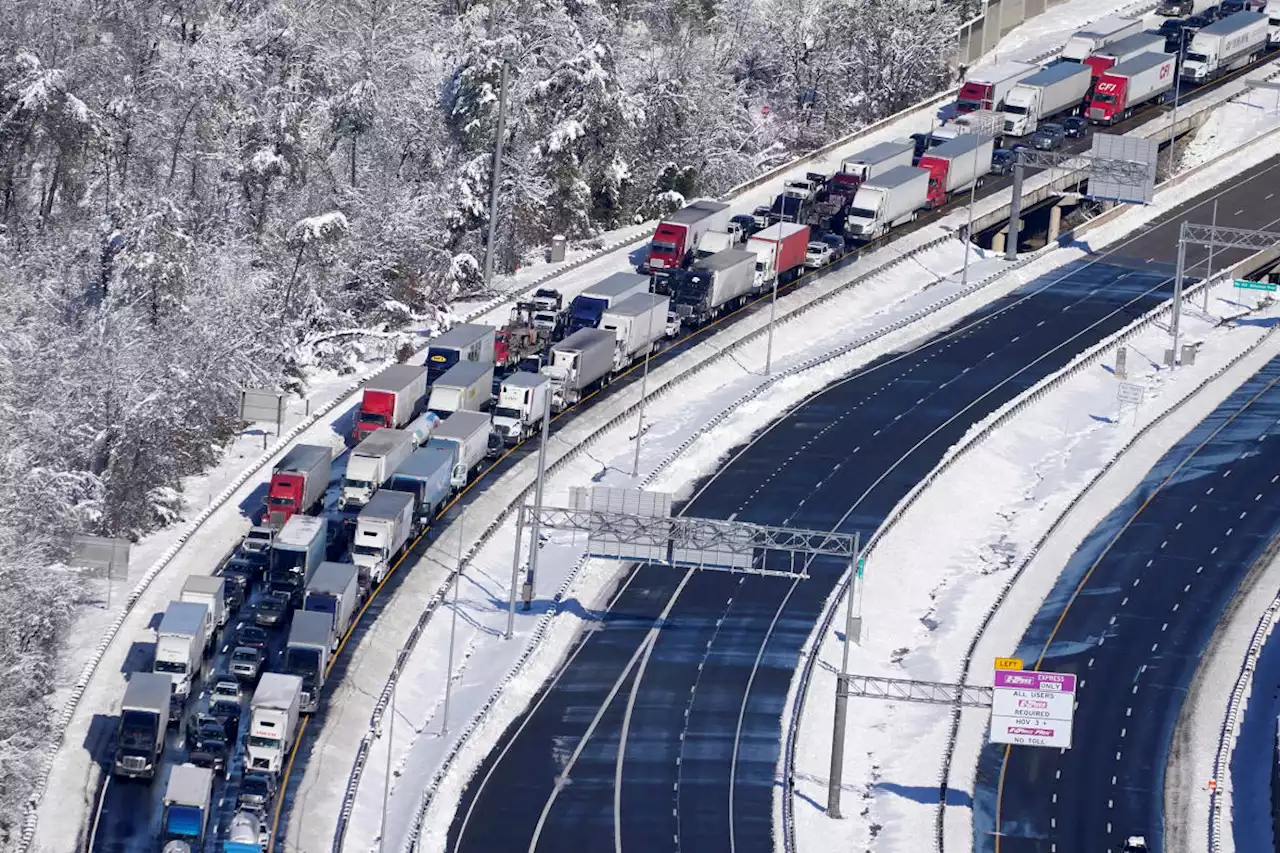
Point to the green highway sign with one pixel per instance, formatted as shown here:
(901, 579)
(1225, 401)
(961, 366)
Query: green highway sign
(1254, 285)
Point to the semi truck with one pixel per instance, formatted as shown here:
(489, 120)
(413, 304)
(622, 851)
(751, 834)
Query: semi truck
(1122, 51)
(334, 590)
(779, 251)
(714, 285)
(464, 342)
(889, 200)
(639, 322)
(273, 721)
(244, 834)
(187, 798)
(306, 655)
(872, 162)
(298, 550)
(465, 387)
(298, 483)
(579, 364)
(957, 164)
(1127, 86)
(180, 643)
(391, 399)
(144, 720)
(1225, 45)
(589, 306)
(678, 233)
(986, 88)
(1057, 89)
(523, 400)
(383, 528)
(372, 463)
(468, 433)
(427, 477)
(211, 591)
(1272, 11)
(1099, 34)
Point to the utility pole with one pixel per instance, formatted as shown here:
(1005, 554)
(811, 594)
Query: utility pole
(836, 775)
(1208, 276)
(536, 532)
(644, 392)
(515, 569)
(453, 625)
(490, 241)
(1175, 317)
(773, 308)
(386, 779)
(1177, 90)
(985, 130)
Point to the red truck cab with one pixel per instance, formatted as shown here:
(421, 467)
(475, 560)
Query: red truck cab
(667, 250)
(974, 96)
(285, 496)
(377, 410)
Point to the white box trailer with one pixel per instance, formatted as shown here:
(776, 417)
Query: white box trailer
(383, 528)
(1225, 45)
(372, 463)
(273, 721)
(1272, 11)
(469, 433)
(715, 241)
(715, 284)
(639, 322)
(579, 364)
(1097, 35)
(1129, 85)
(334, 589)
(1057, 89)
(1122, 50)
(144, 720)
(869, 163)
(465, 387)
(306, 655)
(180, 643)
(211, 591)
(986, 88)
(523, 401)
(892, 199)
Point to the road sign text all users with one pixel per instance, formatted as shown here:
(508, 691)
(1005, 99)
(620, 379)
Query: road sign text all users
(1033, 708)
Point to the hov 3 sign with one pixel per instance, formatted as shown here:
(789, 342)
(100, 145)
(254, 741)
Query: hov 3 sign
(1033, 708)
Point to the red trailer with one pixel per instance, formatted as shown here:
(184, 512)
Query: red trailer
(391, 399)
(1131, 84)
(957, 164)
(779, 251)
(298, 483)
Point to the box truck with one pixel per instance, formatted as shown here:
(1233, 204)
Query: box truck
(464, 342)
(144, 720)
(891, 199)
(273, 721)
(1057, 89)
(372, 463)
(1225, 45)
(383, 528)
(211, 591)
(639, 322)
(468, 432)
(1122, 51)
(180, 643)
(678, 233)
(187, 799)
(306, 655)
(1127, 86)
(986, 88)
(779, 251)
(298, 483)
(298, 550)
(390, 399)
(714, 285)
(587, 307)
(427, 478)
(465, 387)
(954, 166)
(579, 364)
(334, 590)
(1097, 35)
(523, 400)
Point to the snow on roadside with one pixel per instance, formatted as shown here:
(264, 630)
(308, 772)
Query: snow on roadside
(1049, 30)
(1253, 113)
(932, 578)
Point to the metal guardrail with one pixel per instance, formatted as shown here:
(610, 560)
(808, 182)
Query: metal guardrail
(1014, 408)
(1236, 706)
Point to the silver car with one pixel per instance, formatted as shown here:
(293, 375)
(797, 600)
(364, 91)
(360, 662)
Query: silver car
(246, 663)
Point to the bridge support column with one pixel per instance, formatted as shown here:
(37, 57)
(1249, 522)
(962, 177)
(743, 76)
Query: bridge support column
(1055, 222)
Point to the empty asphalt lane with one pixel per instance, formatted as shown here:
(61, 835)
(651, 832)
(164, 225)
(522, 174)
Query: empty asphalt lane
(1131, 615)
(845, 456)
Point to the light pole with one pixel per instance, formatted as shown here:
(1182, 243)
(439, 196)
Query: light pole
(536, 530)
(1177, 91)
(835, 777)
(453, 626)
(644, 391)
(986, 130)
(773, 307)
(1208, 276)
(386, 779)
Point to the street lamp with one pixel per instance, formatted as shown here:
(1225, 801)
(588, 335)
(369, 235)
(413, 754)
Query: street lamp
(644, 392)
(1177, 89)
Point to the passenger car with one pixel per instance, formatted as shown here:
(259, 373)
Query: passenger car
(817, 255)
(246, 663)
(1049, 137)
(1075, 126)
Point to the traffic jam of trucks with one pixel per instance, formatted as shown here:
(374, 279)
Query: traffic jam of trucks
(258, 638)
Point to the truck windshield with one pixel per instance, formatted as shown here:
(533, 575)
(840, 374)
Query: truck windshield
(176, 667)
(659, 248)
(1105, 99)
(375, 418)
(504, 412)
(302, 662)
(861, 213)
(1015, 109)
(366, 550)
(264, 742)
(968, 106)
(357, 484)
(278, 500)
(1198, 57)
(137, 730)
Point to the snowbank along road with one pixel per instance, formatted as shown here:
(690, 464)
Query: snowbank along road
(648, 737)
(1130, 615)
